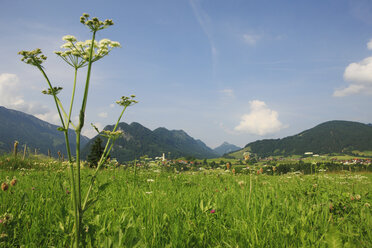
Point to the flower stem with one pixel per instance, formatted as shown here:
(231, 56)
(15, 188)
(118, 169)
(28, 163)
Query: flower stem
(102, 160)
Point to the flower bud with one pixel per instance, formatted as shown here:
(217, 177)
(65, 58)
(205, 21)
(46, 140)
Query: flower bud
(13, 182)
(4, 186)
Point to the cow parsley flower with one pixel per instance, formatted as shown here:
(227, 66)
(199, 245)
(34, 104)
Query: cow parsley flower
(34, 57)
(127, 101)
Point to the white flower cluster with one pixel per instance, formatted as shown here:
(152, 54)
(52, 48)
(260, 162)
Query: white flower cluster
(126, 101)
(112, 134)
(77, 53)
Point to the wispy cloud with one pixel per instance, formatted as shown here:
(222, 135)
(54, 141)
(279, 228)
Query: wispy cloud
(103, 114)
(205, 23)
(251, 39)
(260, 120)
(228, 93)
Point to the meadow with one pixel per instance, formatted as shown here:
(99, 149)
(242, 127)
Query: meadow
(159, 207)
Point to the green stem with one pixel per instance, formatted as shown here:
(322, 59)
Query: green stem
(54, 95)
(72, 99)
(102, 160)
(85, 98)
(73, 189)
(78, 132)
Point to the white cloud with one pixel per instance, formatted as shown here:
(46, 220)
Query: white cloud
(251, 39)
(49, 117)
(90, 132)
(360, 77)
(261, 120)
(103, 114)
(351, 89)
(369, 45)
(11, 97)
(228, 92)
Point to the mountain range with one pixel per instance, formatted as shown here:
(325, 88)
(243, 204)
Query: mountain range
(33, 132)
(328, 137)
(139, 140)
(325, 138)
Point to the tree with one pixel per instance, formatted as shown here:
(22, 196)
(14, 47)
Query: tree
(96, 152)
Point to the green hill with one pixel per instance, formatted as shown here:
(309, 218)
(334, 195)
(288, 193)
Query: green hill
(139, 140)
(37, 134)
(329, 137)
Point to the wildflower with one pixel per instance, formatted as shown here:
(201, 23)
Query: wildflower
(261, 170)
(358, 197)
(212, 211)
(228, 166)
(4, 186)
(233, 171)
(13, 182)
(67, 191)
(95, 24)
(149, 192)
(112, 134)
(150, 180)
(52, 91)
(367, 205)
(33, 188)
(69, 38)
(127, 101)
(352, 198)
(34, 57)
(274, 168)
(241, 183)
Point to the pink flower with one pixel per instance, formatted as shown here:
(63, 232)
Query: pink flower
(213, 211)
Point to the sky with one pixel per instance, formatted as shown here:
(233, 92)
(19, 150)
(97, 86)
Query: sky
(235, 71)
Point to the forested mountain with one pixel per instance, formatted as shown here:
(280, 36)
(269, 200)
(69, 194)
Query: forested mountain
(139, 140)
(226, 147)
(37, 134)
(328, 137)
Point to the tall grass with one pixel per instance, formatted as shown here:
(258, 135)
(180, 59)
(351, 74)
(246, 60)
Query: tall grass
(154, 208)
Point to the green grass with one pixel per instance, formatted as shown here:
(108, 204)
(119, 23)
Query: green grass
(154, 208)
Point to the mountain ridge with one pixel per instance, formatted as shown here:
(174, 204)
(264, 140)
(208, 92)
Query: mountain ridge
(226, 147)
(335, 136)
(139, 140)
(36, 133)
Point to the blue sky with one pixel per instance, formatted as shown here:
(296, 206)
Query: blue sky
(234, 71)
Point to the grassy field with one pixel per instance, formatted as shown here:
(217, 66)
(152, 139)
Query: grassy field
(208, 208)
